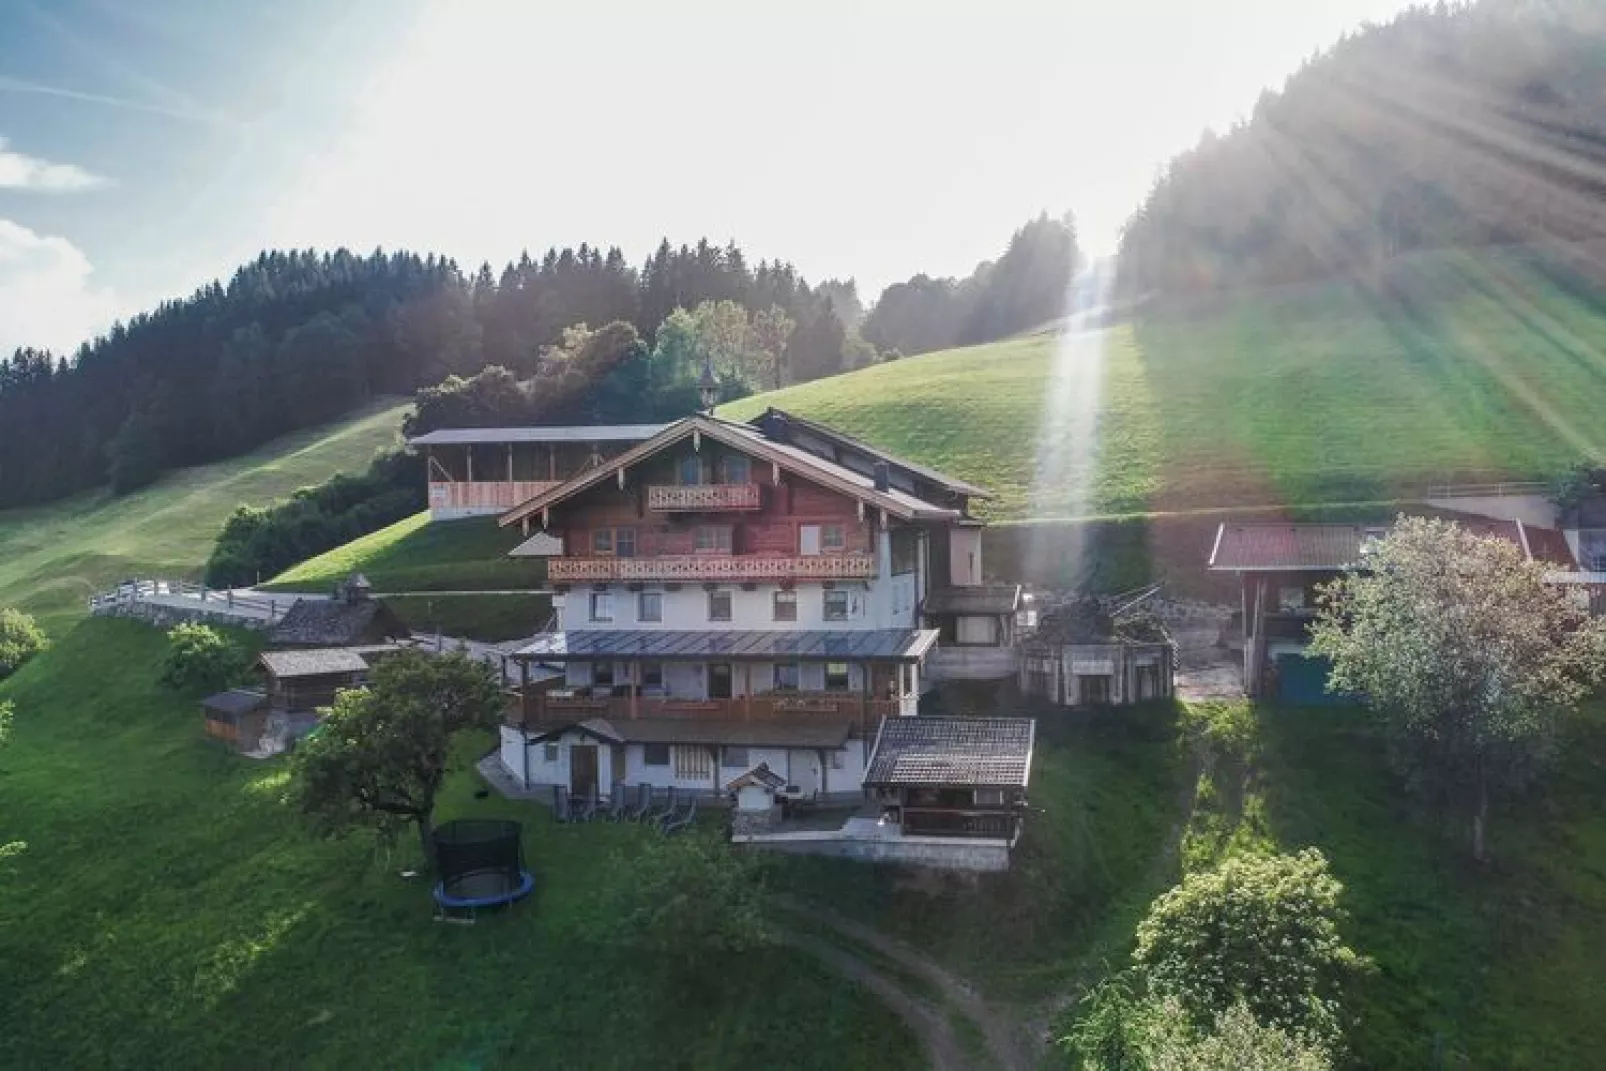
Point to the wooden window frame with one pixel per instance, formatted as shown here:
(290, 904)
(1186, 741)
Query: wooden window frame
(847, 677)
(830, 595)
(591, 605)
(780, 597)
(724, 539)
(730, 604)
(641, 607)
(837, 546)
(796, 674)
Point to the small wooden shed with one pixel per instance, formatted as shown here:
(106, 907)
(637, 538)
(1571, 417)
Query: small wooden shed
(237, 717)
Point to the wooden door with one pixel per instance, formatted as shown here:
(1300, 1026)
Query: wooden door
(582, 769)
(719, 680)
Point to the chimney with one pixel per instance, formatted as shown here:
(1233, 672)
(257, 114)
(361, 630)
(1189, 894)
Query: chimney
(882, 476)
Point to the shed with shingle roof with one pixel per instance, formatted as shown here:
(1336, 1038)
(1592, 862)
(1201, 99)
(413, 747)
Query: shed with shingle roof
(973, 752)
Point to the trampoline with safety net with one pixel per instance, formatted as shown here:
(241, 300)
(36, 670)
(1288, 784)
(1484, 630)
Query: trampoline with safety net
(481, 865)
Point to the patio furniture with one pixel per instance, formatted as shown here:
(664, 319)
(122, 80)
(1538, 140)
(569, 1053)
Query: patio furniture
(587, 808)
(617, 804)
(674, 825)
(643, 804)
(561, 804)
(671, 805)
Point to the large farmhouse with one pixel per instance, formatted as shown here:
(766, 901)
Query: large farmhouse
(730, 595)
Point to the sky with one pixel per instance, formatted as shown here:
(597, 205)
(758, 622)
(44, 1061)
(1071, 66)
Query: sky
(148, 148)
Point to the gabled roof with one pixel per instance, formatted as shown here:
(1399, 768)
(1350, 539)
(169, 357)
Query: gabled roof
(923, 750)
(979, 599)
(760, 775)
(581, 433)
(316, 663)
(234, 703)
(753, 442)
(765, 419)
(335, 623)
(1289, 547)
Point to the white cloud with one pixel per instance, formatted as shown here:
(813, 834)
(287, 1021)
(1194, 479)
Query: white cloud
(47, 296)
(19, 171)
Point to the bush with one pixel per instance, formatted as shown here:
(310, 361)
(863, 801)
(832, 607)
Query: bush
(1261, 930)
(1123, 1031)
(258, 543)
(201, 659)
(689, 902)
(20, 640)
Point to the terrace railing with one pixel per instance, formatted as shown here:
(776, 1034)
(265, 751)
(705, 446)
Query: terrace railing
(1489, 490)
(695, 567)
(709, 498)
(770, 706)
(160, 591)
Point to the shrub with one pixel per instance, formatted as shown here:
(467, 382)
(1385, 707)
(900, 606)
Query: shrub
(686, 901)
(201, 659)
(1237, 1040)
(20, 640)
(1261, 930)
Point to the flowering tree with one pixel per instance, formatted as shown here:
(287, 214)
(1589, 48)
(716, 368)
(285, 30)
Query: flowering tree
(1466, 652)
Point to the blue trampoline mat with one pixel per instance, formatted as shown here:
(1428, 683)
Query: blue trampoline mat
(478, 890)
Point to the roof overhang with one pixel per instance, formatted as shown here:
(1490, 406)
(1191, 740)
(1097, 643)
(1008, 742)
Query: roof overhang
(579, 433)
(722, 433)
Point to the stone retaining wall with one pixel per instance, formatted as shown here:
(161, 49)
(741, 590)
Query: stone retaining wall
(165, 615)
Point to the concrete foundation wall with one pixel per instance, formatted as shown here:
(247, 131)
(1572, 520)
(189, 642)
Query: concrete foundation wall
(941, 853)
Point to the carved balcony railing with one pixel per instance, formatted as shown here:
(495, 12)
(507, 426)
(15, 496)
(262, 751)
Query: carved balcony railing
(703, 498)
(769, 706)
(703, 567)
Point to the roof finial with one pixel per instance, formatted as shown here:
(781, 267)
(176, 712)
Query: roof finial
(708, 388)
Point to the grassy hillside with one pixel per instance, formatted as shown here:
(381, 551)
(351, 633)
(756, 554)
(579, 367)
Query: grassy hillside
(416, 555)
(1467, 368)
(52, 557)
(1495, 968)
(169, 900)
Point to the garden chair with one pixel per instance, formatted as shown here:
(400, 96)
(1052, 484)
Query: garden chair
(643, 804)
(617, 803)
(587, 809)
(675, 825)
(561, 805)
(671, 805)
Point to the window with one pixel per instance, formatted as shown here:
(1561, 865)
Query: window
(652, 674)
(735, 758)
(808, 539)
(786, 677)
(713, 539)
(655, 755)
(835, 759)
(905, 551)
(1095, 689)
(602, 606)
(691, 471)
(836, 605)
(833, 538)
(786, 605)
(1292, 598)
(602, 674)
(719, 605)
(695, 763)
(613, 542)
(549, 752)
(836, 676)
(736, 469)
(650, 606)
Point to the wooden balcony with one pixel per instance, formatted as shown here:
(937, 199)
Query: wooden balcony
(961, 663)
(703, 498)
(770, 706)
(715, 567)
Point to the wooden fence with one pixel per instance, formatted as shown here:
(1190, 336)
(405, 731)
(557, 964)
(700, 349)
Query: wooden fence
(226, 602)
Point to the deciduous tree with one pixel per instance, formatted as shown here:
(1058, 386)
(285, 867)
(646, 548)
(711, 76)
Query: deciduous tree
(1468, 655)
(379, 755)
(20, 639)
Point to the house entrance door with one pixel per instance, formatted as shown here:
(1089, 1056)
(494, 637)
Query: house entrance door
(719, 680)
(582, 769)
